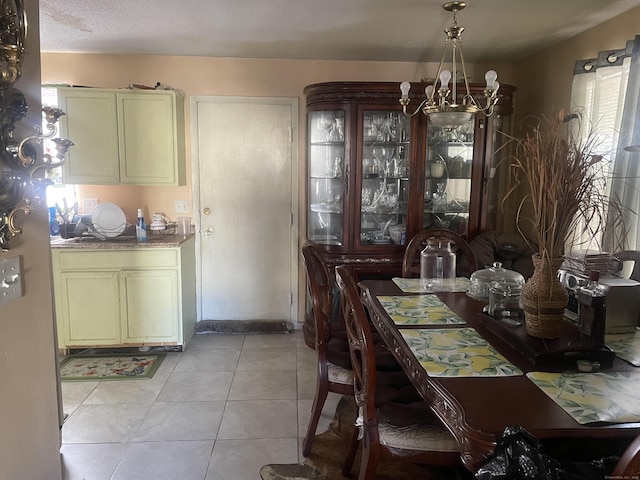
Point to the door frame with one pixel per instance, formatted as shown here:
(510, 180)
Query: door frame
(292, 102)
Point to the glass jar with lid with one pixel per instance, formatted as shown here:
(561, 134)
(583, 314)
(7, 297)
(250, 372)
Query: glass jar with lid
(437, 266)
(481, 280)
(505, 302)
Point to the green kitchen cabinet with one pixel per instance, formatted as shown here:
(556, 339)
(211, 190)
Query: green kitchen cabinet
(124, 297)
(87, 306)
(133, 137)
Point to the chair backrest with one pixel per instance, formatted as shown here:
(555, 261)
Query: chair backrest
(360, 343)
(633, 255)
(465, 259)
(628, 465)
(510, 249)
(319, 285)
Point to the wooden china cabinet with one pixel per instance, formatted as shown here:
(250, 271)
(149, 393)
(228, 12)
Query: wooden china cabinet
(377, 177)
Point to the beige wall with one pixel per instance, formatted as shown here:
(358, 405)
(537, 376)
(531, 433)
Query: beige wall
(544, 80)
(29, 436)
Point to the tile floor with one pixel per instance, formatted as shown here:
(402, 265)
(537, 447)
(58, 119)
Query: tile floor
(218, 411)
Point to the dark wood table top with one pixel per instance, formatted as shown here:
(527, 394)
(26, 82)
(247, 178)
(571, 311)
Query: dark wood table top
(477, 409)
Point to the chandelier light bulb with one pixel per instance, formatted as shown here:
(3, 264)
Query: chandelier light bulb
(491, 76)
(429, 91)
(404, 88)
(445, 76)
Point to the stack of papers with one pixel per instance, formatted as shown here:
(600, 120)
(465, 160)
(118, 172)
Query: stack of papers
(581, 262)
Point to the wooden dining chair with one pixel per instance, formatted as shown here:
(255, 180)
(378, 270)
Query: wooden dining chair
(628, 465)
(466, 262)
(332, 351)
(393, 419)
(333, 358)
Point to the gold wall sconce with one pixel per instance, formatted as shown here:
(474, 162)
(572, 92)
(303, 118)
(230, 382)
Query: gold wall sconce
(22, 170)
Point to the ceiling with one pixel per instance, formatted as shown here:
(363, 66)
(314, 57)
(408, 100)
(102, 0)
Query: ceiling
(372, 30)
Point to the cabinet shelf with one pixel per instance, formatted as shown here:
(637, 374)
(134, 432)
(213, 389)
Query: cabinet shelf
(446, 211)
(325, 208)
(377, 176)
(327, 144)
(384, 212)
(326, 177)
(375, 143)
(444, 178)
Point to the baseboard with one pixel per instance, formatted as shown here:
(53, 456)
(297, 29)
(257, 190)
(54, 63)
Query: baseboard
(243, 326)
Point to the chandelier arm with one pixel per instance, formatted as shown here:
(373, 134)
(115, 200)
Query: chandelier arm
(437, 78)
(464, 74)
(418, 108)
(454, 71)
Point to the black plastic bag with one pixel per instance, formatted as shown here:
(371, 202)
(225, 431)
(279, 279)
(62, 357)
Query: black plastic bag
(518, 457)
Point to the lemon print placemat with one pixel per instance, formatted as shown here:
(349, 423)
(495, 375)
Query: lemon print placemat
(412, 285)
(626, 346)
(457, 352)
(593, 397)
(419, 310)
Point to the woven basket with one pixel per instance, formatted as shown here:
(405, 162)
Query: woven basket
(544, 299)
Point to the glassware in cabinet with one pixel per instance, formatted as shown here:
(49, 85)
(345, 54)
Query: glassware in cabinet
(326, 176)
(448, 177)
(384, 183)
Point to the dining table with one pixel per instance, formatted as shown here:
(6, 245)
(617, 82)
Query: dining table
(481, 374)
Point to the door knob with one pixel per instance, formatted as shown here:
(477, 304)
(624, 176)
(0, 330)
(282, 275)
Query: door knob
(207, 211)
(208, 231)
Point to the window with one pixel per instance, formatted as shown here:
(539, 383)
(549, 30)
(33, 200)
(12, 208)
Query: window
(605, 94)
(58, 192)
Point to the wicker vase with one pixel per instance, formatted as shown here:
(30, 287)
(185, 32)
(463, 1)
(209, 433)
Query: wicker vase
(544, 299)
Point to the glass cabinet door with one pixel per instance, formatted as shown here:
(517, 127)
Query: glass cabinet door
(448, 177)
(386, 154)
(497, 179)
(326, 177)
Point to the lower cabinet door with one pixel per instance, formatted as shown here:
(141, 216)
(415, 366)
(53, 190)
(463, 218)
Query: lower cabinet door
(151, 306)
(90, 308)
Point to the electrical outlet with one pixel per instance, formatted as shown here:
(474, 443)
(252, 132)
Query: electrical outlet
(182, 206)
(10, 279)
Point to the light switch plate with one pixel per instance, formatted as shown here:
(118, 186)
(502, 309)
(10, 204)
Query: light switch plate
(182, 206)
(10, 279)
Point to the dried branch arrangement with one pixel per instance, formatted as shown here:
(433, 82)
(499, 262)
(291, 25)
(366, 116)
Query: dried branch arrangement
(566, 184)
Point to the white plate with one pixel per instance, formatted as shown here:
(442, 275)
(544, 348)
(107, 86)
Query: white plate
(108, 220)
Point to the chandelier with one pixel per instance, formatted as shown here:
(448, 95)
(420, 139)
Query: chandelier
(22, 170)
(441, 104)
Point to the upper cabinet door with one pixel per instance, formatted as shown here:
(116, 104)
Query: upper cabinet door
(448, 185)
(123, 136)
(90, 123)
(148, 139)
(328, 176)
(384, 170)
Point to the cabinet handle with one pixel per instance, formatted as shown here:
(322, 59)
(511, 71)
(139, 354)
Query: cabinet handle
(208, 231)
(347, 170)
(206, 211)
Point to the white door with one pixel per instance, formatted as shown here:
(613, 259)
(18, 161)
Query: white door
(245, 188)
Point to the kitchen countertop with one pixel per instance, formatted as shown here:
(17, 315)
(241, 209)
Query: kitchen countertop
(89, 242)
